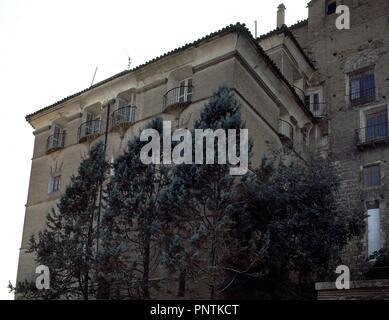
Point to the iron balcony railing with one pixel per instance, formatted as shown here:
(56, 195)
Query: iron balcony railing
(285, 129)
(373, 134)
(55, 142)
(89, 129)
(318, 109)
(123, 116)
(178, 95)
(362, 96)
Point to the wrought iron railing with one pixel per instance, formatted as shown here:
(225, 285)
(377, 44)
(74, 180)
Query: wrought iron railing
(55, 142)
(178, 95)
(318, 109)
(89, 129)
(373, 134)
(123, 116)
(362, 96)
(285, 129)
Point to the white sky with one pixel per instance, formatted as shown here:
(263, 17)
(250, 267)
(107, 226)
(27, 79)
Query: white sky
(49, 49)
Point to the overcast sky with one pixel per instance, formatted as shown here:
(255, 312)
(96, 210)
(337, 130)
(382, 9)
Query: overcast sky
(49, 49)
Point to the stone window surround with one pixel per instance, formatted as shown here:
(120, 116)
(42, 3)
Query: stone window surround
(362, 177)
(55, 171)
(364, 111)
(348, 75)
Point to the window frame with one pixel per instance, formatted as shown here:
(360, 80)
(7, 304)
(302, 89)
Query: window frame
(185, 92)
(54, 184)
(328, 3)
(371, 185)
(360, 77)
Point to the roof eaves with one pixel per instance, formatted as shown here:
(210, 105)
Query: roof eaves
(230, 28)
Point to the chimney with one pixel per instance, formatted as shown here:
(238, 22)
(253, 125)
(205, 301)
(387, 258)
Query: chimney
(281, 15)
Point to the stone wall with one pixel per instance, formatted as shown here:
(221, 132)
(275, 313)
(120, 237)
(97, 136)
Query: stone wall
(336, 53)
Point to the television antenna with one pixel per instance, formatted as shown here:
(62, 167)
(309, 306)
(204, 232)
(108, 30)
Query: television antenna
(129, 59)
(94, 75)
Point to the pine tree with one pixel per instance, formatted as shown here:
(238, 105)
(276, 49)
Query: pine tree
(292, 216)
(196, 205)
(131, 241)
(67, 245)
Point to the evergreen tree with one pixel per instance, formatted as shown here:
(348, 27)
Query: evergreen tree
(133, 223)
(292, 217)
(67, 245)
(196, 205)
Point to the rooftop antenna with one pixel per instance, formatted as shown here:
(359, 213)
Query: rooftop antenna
(129, 59)
(94, 75)
(256, 29)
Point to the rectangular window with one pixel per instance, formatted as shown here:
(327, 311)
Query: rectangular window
(372, 176)
(313, 101)
(377, 126)
(373, 231)
(362, 87)
(96, 125)
(54, 183)
(56, 138)
(89, 123)
(316, 102)
(120, 115)
(330, 7)
(185, 94)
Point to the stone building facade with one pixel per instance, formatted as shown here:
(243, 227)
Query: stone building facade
(294, 88)
(353, 70)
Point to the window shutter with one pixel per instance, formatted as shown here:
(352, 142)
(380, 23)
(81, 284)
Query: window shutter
(181, 97)
(189, 90)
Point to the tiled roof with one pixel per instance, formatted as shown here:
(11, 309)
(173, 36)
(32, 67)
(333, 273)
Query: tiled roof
(298, 24)
(238, 27)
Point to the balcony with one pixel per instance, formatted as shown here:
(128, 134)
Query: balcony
(177, 97)
(373, 135)
(285, 130)
(318, 109)
(123, 117)
(362, 97)
(55, 142)
(89, 130)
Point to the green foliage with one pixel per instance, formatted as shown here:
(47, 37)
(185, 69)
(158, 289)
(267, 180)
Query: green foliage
(67, 245)
(380, 269)
(292, 216)
(270, 234)
(131, 241)
(196, 204)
